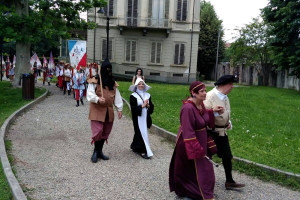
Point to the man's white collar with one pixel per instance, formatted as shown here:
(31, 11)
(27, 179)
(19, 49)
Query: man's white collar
(220, 94)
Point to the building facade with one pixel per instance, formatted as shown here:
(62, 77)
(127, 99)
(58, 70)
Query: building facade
(159, 36)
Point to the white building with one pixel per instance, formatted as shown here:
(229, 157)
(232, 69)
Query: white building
(159, 36)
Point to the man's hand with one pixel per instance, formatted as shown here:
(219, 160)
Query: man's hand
(119, 114)
(229, 126)
(101, 100)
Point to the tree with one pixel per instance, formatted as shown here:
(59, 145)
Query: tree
(252, 48)
(208, 39)
(29, 21)
(284, 20)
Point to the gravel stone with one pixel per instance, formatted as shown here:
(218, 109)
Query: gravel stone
(52, 150)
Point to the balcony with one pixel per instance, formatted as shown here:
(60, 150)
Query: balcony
(144, 23)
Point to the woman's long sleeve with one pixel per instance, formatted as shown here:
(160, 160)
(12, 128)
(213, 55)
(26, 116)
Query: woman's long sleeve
(134, 107)
(192, 146)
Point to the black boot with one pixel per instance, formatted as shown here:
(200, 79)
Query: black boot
(77, 103)
(94, 157)
(69, 92)
(49, 83)
(81, 100)
(100, 153)
(43, 83)
(74, 95)
(64, 92)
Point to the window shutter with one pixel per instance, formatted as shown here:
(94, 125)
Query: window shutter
(182, 50)
(103, 49)
(135, 12)
(167, 9)
(149, 12)
(110, 50)
(153, 47)
(133, 54)
(184, 10)
(111, 7)
(158, 52)
(176, 54)
(178, 12)
(127, 51)
(129, 12)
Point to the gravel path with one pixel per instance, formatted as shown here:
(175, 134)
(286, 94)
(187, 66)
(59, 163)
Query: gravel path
(51, 145)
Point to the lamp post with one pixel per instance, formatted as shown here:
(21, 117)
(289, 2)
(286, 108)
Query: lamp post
(101, 11)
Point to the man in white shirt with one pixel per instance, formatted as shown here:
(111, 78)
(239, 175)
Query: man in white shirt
(218, 96)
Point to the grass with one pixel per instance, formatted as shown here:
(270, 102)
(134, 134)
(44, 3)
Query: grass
(265, 120)
(10, 101)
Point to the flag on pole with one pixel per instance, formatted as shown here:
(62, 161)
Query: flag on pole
(44, 61)
(51, 61)
(7, 59)
(14, 61)
(77, 53)
(32, 60)
(38, 62)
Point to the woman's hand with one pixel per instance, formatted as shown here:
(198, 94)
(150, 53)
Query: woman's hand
(218, 109)
(145, 103)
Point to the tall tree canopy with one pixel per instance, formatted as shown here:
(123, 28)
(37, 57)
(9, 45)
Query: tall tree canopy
(28, 21)
(208, 39)
(252, 48)
(284, 20)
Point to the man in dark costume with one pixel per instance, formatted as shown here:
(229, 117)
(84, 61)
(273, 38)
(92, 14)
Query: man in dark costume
(103, 94)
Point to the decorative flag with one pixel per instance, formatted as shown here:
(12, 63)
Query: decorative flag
(38, 62)
(44, 61)
(77, 53)
(14, 61)
(51, 61)
(7, 59)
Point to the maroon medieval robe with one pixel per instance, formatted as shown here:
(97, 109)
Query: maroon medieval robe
(190, 174)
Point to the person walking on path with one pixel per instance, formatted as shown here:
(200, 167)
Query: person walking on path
(103, 94)
(79, 79)
(191, 175)
(141, 109)
(218, 96)
(46, 72)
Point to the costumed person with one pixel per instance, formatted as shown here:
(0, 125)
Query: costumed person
(93, 71)
(66, 78)
(218, 96)
(60, 75)
(191, 174)
(85, 83)
(138, 74)
(79, 79)
(141, 109)
(35, 70)
(46, 73)
(7, 70)
(103, 94)
(11, 73)
(71, 81)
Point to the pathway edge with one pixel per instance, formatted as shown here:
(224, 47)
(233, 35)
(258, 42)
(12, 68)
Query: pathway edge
(14, 185)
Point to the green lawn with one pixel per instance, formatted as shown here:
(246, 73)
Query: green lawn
(10, 101)
(265, 120)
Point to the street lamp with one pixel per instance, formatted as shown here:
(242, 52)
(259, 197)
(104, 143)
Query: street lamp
(101, 11)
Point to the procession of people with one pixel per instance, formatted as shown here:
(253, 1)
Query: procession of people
(191, 172)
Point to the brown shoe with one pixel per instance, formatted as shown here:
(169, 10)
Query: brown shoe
(229, 186)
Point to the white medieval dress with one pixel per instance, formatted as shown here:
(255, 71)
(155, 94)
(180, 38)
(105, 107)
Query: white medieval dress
(141, 118)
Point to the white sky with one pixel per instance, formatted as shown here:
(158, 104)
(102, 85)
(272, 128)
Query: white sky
(236, 13)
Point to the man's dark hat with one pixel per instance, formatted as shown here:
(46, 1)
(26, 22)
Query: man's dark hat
(225, 79)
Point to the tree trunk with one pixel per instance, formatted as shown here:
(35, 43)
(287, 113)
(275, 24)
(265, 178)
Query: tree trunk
(22, 49)
(22, 61)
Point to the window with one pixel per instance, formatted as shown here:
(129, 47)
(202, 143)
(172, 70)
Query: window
(154, 74)
(181, 12)
(104, 51)
(178, 75)
(110, 6)
(179, 54)
(132, 12)
(64, 47)
(155, 53)
(129, 72)
(130, 50)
